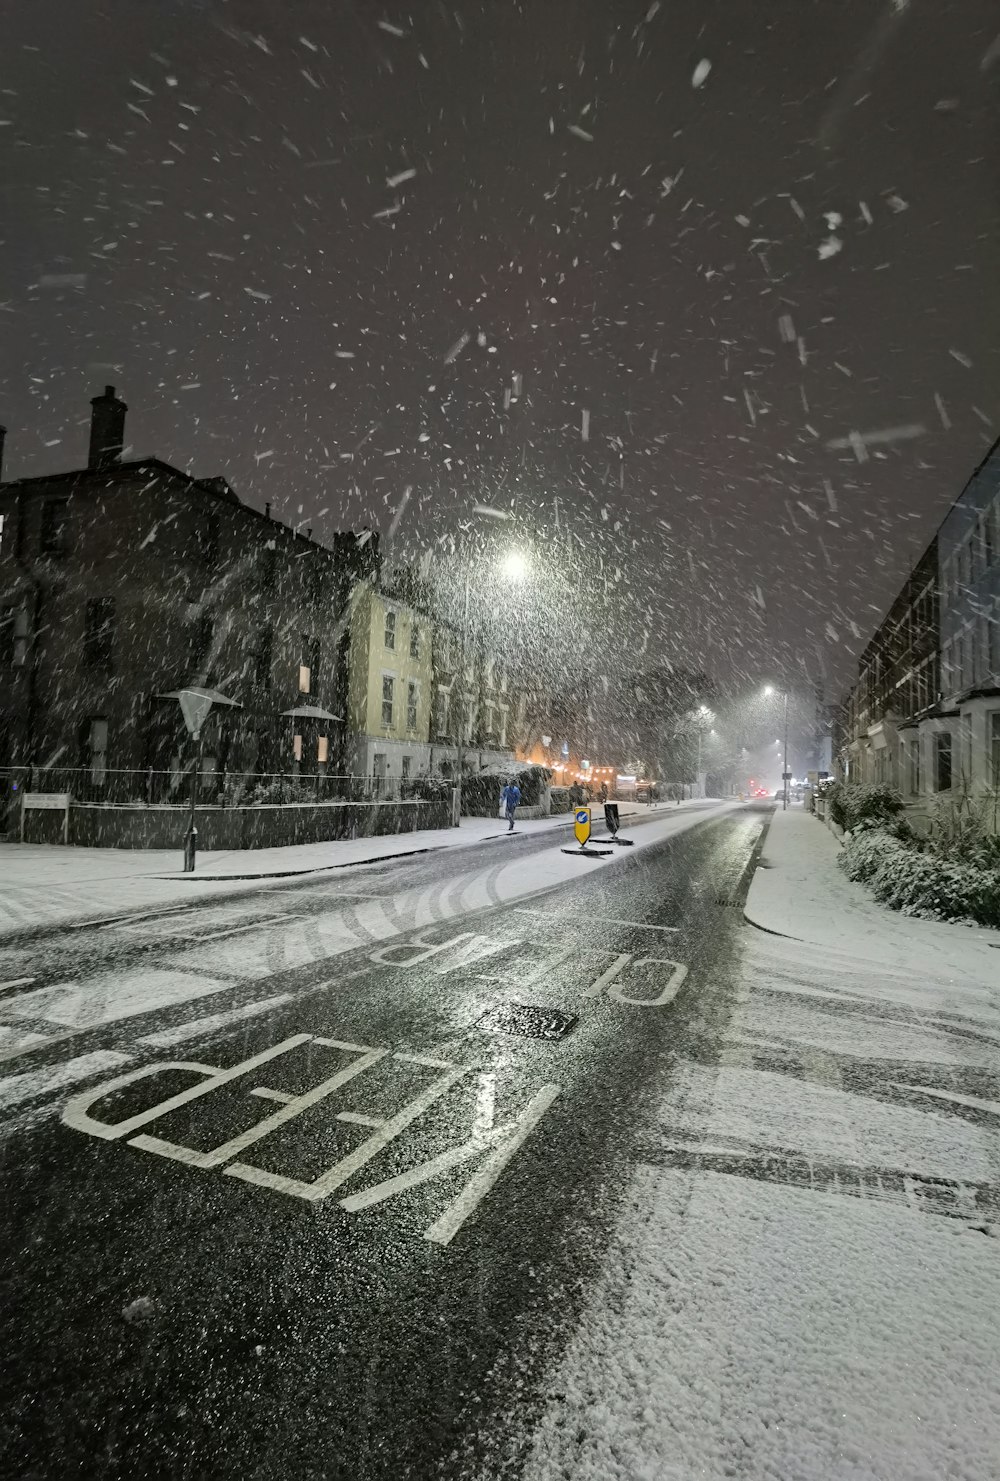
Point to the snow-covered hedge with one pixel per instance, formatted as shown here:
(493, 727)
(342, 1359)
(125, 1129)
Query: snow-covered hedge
(852, 804)
(918, 881)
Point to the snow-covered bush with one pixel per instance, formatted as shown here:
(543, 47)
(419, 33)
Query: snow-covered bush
(560, 800)
(918, 881)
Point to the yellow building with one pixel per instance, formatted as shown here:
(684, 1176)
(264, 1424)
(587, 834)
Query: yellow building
(389, 687)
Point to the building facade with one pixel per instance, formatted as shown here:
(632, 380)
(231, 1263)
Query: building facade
(389, 687)
(122, 582)
(924, 715)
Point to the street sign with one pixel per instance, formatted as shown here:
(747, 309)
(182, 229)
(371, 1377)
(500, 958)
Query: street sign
(786, 776)
(611, 819)
(194, 708)
(565, 748)
(581, 825)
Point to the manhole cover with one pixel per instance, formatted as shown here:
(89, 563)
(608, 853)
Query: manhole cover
(530, 1023)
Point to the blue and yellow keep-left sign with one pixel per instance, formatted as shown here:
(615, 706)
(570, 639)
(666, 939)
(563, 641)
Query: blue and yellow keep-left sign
(581, 825)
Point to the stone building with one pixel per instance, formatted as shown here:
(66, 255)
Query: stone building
(125, 580)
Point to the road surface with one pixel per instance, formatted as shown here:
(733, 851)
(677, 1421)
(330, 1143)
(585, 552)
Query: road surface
(496, 1163)
(339, 1216)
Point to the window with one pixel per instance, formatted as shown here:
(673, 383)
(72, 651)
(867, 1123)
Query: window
(97, 748)
(269, 571)
(414, 641)
(297, 747)
(443, 708)
(405, 765)
(390, 629)
(263, 657)
(99, 635)
(309, 667)
(208, 539)
(915, 767)
(202, 631)
(993, 732)
(314, 581)
(942, 761)
(411, 706)
(388, 684)
(322, 750)
(55, 528)
(13, 637)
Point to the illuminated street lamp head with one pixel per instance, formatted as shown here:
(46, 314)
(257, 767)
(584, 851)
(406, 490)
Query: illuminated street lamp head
(768, 690)
(515, 567)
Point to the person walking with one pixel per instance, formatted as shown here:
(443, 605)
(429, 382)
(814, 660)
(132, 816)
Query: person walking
(510, 797)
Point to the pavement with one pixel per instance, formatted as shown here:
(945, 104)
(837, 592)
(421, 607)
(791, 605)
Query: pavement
(44, 884)
(494, 1162)
(799, 891)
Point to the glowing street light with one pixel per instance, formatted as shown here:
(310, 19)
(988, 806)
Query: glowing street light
(515, 567)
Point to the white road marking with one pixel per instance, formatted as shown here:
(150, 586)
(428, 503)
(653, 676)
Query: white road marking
(972, 1101)
(107, 922)
(76, 1112)
(617, 966)
(610, 920)
(14, 1041)
(17, 1088)
(505, 1139)
(668, 993)
(366, 1057)
(195, 1027)
(383, 1134)
(16, 982)
(106, 999)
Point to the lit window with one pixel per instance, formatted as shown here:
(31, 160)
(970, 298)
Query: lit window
(387, 696)
(322, 750)
(297, 747)
(304, 678)
(390, 629)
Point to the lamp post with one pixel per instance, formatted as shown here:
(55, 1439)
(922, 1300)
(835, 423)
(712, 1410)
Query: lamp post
(784, 768)
(515, 568)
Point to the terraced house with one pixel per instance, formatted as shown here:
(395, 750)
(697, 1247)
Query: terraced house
(924, 715)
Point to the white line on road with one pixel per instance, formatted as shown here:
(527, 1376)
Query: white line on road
(16, 982)
(17, 1088)
(611, 920)
(165, 1038)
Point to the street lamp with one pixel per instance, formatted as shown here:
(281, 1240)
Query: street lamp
(515, 568)
(768, 691)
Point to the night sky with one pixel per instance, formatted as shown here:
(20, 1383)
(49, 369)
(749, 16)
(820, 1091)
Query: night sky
(313, 243)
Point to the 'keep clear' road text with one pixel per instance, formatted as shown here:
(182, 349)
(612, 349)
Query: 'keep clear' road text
(486, 1143)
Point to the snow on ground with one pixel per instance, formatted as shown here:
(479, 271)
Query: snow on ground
(772, 1332)
(804, 1279)
(48, 884)
(800, 891)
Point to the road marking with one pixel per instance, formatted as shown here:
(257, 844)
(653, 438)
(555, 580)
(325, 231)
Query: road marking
(106, 922)
(17, 1088)
(972, 1101)
(16, 982)
(608, 981)
(167, 1037)
(668, 993)
(610, 920)
(294, 1106)
(106, 999)
(76, 1112)
(383, 1133)
(496, 1144)
(504, 1139)
(14, 1041)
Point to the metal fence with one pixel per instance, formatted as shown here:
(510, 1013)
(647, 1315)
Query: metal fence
(150, 788)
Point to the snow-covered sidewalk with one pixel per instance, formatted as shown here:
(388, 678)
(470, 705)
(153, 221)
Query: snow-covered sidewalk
(799, 891)
(45, 885)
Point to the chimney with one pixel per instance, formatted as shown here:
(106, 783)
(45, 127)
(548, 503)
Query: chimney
(3, 438)
(107, 430)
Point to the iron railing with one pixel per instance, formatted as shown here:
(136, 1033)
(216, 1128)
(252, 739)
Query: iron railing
(149, 787)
